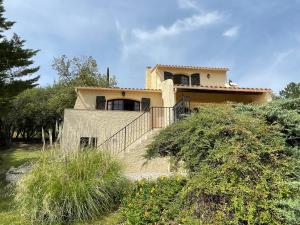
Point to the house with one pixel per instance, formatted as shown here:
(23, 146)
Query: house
(114, 118)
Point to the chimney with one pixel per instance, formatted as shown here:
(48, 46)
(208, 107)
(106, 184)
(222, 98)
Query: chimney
(107, 77)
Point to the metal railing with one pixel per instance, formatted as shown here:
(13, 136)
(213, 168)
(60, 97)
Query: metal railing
(155, 117)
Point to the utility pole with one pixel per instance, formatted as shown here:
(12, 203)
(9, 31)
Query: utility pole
(107, 77)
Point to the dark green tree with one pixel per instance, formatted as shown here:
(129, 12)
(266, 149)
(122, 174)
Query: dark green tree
(15, 65)
(292, 90)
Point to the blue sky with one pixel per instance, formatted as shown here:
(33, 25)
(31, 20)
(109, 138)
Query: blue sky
(258, 40)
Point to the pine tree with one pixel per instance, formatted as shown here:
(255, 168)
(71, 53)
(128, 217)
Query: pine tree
(15, 66)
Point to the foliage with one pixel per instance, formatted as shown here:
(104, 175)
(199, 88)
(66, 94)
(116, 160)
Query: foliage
(285, 112)
(44, 106)
(292, 90)
(239, 165)
(148, 201)
(31, 110)
(80, 72)
(80, 187)
(15, 62)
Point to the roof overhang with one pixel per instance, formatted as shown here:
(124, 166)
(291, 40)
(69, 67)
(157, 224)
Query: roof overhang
(160, 66)
(117, 89)
(222, 90)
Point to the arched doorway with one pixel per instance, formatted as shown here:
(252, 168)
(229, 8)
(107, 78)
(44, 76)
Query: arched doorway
(123, 104)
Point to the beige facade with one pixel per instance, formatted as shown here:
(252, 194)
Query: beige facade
(208, 76)
(86, 96)
(100, 112)
(92, 124)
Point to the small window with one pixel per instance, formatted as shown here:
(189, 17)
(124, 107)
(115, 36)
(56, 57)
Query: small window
(93, 142)
(168, 75)
(100, 102)
(145, 104)
(195, 79)
(88, 142)
(84, 142)
(181, 79)
(208, 76)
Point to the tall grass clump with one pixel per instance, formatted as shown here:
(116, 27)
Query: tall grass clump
(80, 187)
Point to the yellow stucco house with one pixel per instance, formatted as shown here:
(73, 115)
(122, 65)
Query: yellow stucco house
(105, 117)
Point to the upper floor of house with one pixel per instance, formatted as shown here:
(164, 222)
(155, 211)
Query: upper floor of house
(186, 76)
(166, 85)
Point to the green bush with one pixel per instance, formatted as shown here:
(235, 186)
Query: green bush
(240, 167)
(285, 112)
(77, 188)
(152, 201)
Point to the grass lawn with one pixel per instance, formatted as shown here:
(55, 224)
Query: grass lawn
(15, 157)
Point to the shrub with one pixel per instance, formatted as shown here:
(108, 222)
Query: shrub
(285, 112)
(80, 187)
(149, 201)
(239, 165)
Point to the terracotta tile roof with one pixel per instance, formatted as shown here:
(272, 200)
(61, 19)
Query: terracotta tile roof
(190, 67)
(117, 88)
(223, 88)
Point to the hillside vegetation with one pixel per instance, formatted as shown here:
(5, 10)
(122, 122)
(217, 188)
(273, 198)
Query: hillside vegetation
(243, 164)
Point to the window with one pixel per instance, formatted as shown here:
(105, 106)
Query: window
(88, 142)
(168, 75)
(100, 102)
(145, 104)
(84, 142)
(195, 79)
(181, 79)
(123, 104)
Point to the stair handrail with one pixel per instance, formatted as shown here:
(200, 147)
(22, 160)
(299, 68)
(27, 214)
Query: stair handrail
(177, 109)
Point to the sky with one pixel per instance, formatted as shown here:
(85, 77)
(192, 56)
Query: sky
(258, 40)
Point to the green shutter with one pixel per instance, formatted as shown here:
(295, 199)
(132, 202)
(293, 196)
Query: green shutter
(100, 102)
(195, 78)
(145, 104)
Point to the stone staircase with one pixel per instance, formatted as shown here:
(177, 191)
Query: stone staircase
(135, 165)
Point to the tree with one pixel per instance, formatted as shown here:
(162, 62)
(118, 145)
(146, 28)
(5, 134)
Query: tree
(292, 90)
(80, 72)
(15, 64)
(73, 73)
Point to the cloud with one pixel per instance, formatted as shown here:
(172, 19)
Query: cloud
(187, 4)
(136, 41)
(232, 32)
(180, 25)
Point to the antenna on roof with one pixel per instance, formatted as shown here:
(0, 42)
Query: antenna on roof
(107, 77)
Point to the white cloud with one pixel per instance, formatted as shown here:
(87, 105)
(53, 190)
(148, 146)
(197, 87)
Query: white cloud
(181, 25)
(187, 4)
(232, 32)
(152, 43)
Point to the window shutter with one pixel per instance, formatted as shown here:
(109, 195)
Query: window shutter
(100, 102)
(195, 78)
(168, 75)
(145, 104)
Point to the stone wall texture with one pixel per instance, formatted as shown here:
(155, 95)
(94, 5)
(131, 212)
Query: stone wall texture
(92, 123)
